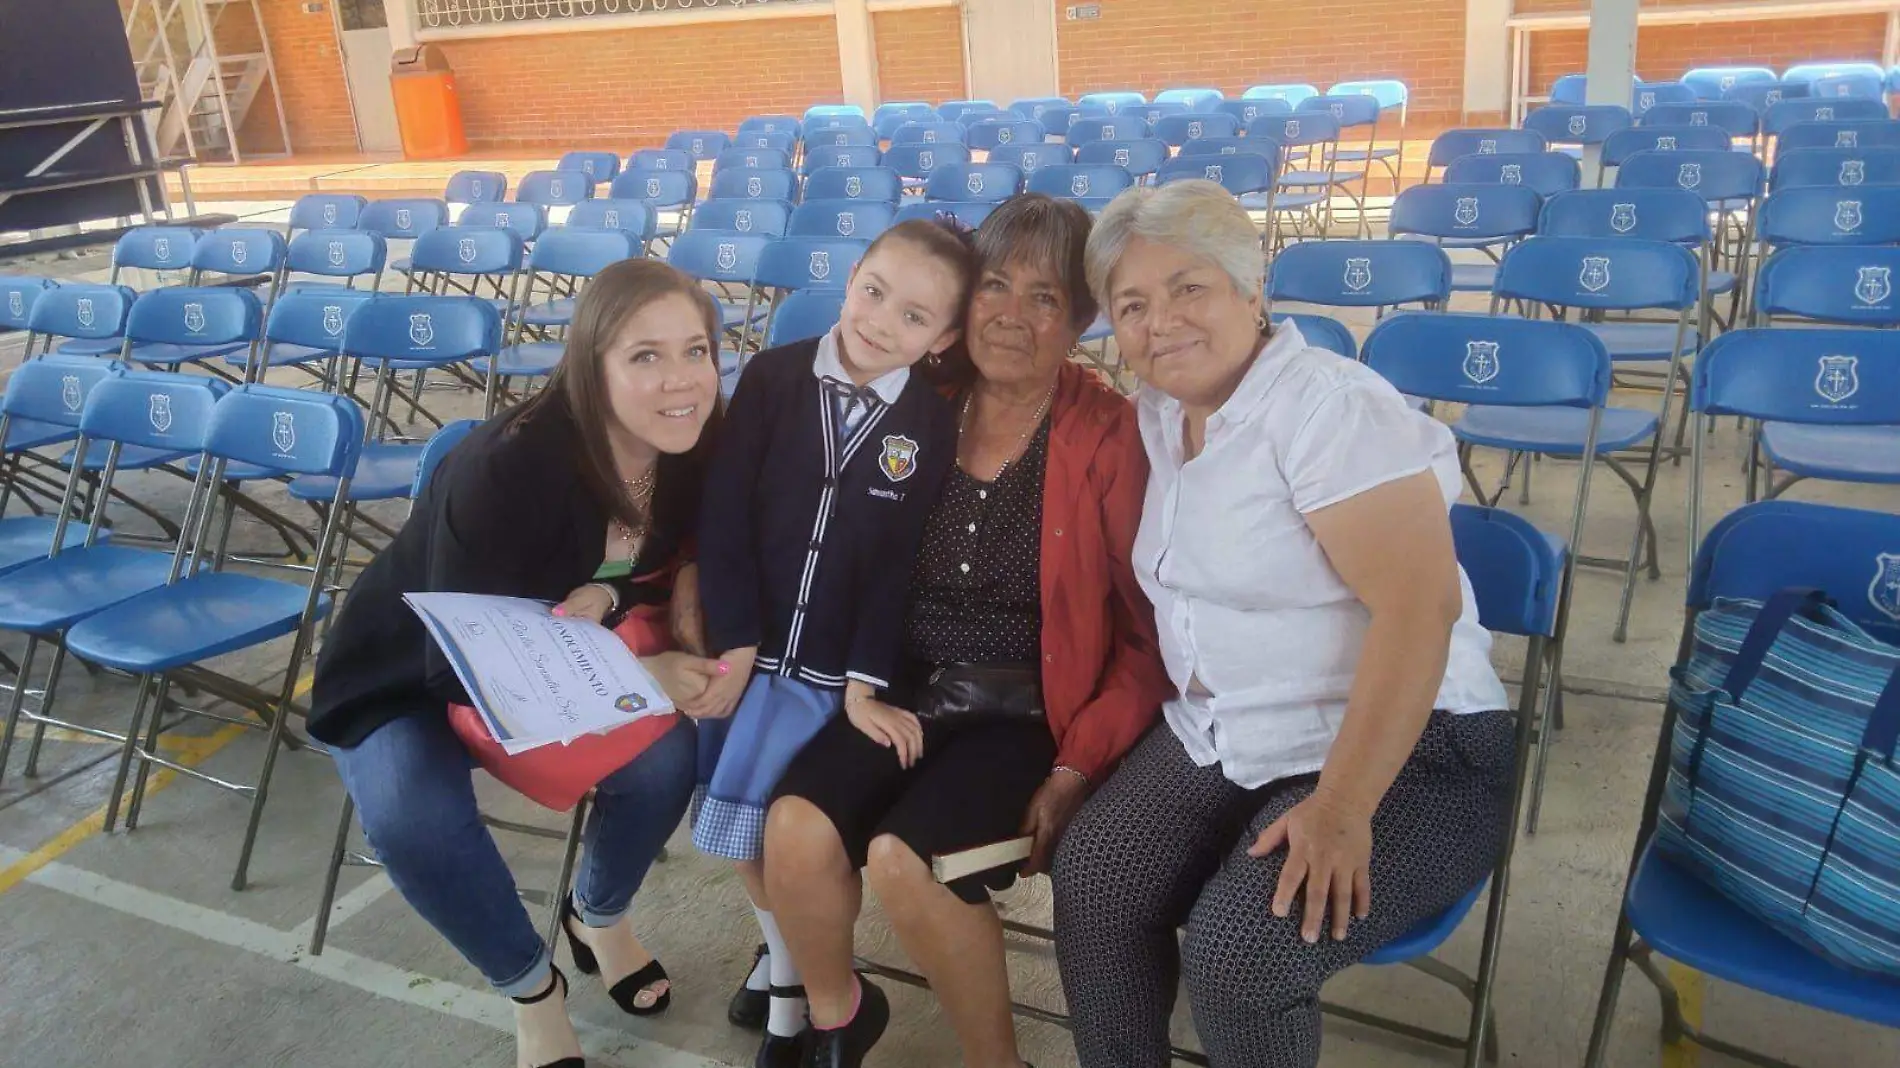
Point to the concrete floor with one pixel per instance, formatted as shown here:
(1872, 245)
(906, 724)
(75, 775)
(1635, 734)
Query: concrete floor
(130, 950)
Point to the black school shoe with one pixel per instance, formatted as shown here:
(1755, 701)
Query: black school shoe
(748, 1007)
(777, 1051)
(846, 1046)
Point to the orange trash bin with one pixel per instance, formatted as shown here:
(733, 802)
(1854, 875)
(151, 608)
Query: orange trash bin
(427, 109)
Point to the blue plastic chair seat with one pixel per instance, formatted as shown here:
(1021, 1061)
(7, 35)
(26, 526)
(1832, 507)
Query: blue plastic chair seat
(400, 266)
(170, 355)
(1428, 935)
(556, 312)
(283, 356)
(383, 473)
(1473, 277)
(234, 471)
(529, 359)
(1098, 330)
(27, 539)
(83, 346)
(1573, 151)
(1305, 178)
(1643, 341)
(1842, 453)
(50, 595)
(1472, 242)
(1282, 201)
(32, 434)
(1357, 154)
(1553, 431)
(196, 619)
(320, 287)
(732, 316)
(1721, 281)
(1687, 921)
(131, 457)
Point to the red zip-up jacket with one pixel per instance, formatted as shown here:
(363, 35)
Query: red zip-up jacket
(1103, 681)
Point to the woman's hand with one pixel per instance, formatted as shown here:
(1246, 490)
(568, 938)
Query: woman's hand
(887, 725)
(1057, 801)
(730, 675)
(591, 602)
(683, 676)
(687, 620)
(1329, 848)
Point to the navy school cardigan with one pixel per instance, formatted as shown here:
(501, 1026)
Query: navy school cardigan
(806, 544)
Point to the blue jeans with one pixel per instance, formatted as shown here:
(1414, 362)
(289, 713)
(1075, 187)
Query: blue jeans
(415, 797)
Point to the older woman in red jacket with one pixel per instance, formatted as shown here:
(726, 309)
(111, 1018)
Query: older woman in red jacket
(1032, 663)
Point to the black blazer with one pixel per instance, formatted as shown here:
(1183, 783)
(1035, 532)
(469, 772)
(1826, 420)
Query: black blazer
(506, 513)
(806, 547)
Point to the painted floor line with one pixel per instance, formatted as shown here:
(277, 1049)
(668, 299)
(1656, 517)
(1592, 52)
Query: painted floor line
(603, 1045)
(348, 905)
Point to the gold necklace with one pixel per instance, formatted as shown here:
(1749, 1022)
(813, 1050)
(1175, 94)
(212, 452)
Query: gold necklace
(1022, 440)
(640, 491)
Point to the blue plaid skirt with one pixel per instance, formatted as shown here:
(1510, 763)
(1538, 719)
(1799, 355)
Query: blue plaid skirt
(742, 759)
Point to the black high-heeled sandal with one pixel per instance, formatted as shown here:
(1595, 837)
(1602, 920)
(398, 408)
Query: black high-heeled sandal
(624, 991)
(559, 982)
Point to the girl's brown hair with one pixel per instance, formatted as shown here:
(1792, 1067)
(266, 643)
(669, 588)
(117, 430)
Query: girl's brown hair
(944, 239)
(577, 391)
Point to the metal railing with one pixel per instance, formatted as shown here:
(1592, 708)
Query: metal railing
(447, 14)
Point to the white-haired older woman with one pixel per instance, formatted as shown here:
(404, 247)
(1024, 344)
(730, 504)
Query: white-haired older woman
(1337, 765)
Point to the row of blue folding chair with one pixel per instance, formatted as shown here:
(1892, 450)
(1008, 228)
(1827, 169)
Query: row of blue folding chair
(749, 272)
(1836, 166)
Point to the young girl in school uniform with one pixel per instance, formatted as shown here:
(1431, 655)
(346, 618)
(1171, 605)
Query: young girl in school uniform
(813, 512)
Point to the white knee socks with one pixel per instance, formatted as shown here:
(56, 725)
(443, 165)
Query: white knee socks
(788, 1013)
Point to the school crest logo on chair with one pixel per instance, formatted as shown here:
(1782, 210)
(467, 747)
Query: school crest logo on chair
(1079, 185)
(662, 164)
(899, 460)
(502, 219)
(1214, 173)
(1114, 106)
(854, 186)
(82, 310)
(1665, 143)
(239, 253)
(820, 266)
(475, 189)
(70, 394)
(1874, 285)
(404, 218)
(1031, 161)
(1824, 114)
(926, 161)
(742, 220)
(653, 187)
(195, 317)
(930, 137)
(1292, 128)
(1884, 591)
(1466, 212)
(1338, 110)
(1511, 174)
(699, 146)
(1689, 175)
(1847, 139)
(1487, 146)
(1838, 378)
(847, 224)
(755, 186)
(752, 161)
(465, 249)
(1622, 218)
(1358, 274)
(610, 218)
(1853, 171)
(1595, 275)
(1108, 133)
(1726, 83)
(554, 189)
(1847, 217)
(1481, 361)
(16, 304)
(161, 412)
(162, 248)
(726, 256)
(1698, 118)
(1194, 129)
(422, 328)
(329, 215)
(283, 431)
(333, 319)
(1121, 157)
(336, 254)
(1771, 97)
(1645, 100)
(974, 183)
(1004, 135)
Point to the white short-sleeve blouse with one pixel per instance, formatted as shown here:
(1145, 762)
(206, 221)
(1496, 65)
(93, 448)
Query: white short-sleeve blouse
(1259, 633)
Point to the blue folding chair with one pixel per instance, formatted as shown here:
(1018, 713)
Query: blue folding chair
(991, 182)
(951, 111)
(1569, 90)
(437, 449)
(1091, 186)
(768, 217)
(526, 220)
(855, 183)
(1055, 119)
(915, 162)
(1228, 146)
(769, 159)
(1729, 182)
(776, 141)
(1201, 98)
(1322, 331)
(1291, 93)
(1623, 144)
(1546, 173)
(1754, 552)
(660, 159)
(703, 145)
(305, 328)
(1178, 130)
(1248, 176)
(864, 219)
(600, 167)
(1594, 276)
(476, 187)
(970, 213)
(191, 324)
(560, 264)
(326, 211)
(1027, 157)
(1153, 113)
(931, 132)
(1361, 274)
(1247, 112)
(1739, 120)
(1028, 106)
(1863, 133)
(1712, 83)
(1835, 166)
(241, 255)
(1781, 116)
(802, 314)
(1822, 215)
(1142, 157)
(843, 135)
(479, 261)
(728, 263)
(1451, 144)
(1760, 96)
(1674, 215)
(18, 294)
(90, 318)
(338, 254)
(1870, 86)
(1648, 95)
(771, 124)
(1570, 127)
(403, 220)
(1109, 103)
(205, 612)
(636, 218)
(554, 189)
(795, 264)
(1809, 73)
(845, 157)
(43, 405)
(988, 135)
(1490, 218)
(1551, 374)
(1088, 128)
(663, 191)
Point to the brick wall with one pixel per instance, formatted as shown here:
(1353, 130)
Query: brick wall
(625, 89)
(1232, 44)
(1665, 52)
(920, 54)
(309, 73)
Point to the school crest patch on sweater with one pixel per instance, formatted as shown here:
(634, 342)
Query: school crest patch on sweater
(899, 461)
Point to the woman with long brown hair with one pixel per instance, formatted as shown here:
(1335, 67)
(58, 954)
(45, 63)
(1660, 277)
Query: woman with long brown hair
(585, 494)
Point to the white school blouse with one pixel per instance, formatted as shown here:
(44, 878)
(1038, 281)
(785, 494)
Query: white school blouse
(1246, 603)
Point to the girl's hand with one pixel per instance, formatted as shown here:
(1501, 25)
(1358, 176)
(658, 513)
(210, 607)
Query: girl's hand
(1329, 848)
(683, 676)
(888, 726)
(591, 602)
(728, 682)
(687, 620)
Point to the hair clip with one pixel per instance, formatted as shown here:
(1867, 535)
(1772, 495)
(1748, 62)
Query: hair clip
(957, 228)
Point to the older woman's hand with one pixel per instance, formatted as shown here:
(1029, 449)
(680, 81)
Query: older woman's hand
(1056, 802)
(1329, 849)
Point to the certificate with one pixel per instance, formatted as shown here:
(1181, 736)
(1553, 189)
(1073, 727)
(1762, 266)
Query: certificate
(534, 677)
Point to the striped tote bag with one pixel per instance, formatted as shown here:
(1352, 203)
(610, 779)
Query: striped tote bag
(1783, 792)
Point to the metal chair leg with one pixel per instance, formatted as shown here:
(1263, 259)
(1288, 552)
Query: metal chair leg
(126, 750)
(147, 750)
(561, 888)
(47, 694)
(17, 702)
(320, 930)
